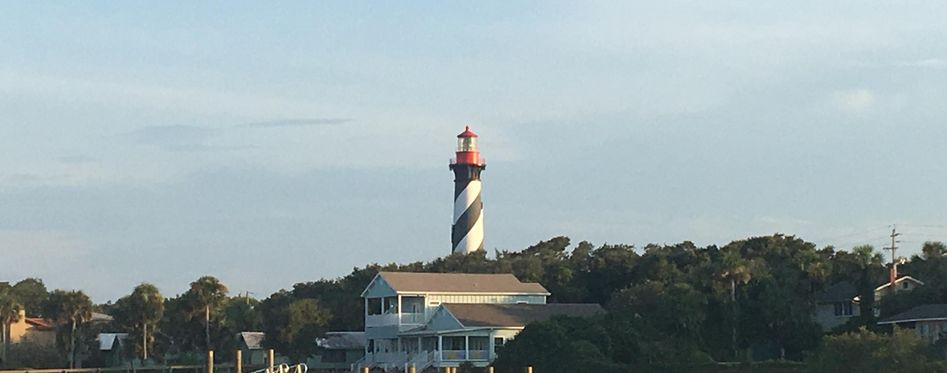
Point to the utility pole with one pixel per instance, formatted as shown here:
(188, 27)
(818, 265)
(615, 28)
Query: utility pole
(893, 273)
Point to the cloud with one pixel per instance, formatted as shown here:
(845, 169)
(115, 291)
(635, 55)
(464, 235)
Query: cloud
(855, 101)
(77, 159)
(303, 122)
(182, 138)
(34, 247)
(929, 63)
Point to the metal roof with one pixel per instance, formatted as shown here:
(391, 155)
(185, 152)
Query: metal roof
(426, 282)
(517, 315)
(342, 341)
(927, 312)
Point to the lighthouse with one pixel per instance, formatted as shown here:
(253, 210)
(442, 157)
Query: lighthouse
(467, 230)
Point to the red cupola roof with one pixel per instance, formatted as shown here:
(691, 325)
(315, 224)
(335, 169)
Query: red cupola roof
(467, 133)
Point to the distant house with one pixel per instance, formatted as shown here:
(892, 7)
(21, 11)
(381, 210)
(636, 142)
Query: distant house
(33, 330)
(251, 347)
(840, 302)
(904, 283)
(929, 321)
(113, 347)
(338, 351)
(836, 305)
(447, 319)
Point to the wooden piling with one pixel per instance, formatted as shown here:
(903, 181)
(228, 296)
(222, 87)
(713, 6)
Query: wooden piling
(271, 355)
(238, 362)
(490, 369)
(210, 361)
(412, 369)
(529, 369)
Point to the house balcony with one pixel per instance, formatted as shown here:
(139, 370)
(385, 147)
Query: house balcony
(394, 319)
(464, 355)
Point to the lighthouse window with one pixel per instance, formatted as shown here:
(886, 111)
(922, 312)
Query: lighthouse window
(466, 144)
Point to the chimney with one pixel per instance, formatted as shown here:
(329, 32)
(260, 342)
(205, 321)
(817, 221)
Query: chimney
(893, 274)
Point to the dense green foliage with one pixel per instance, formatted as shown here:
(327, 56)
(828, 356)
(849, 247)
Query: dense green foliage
(866, 352)
(668, 305)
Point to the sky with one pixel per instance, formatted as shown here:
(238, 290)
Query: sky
(275, 143)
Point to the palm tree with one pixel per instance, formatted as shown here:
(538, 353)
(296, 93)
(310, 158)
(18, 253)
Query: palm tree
(9, 313)
(733, 270)
(73, 308)
(139, 311)
(207, 292)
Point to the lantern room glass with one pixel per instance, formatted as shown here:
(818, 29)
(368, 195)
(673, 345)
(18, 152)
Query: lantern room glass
(467, 144)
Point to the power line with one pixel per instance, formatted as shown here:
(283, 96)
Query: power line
(864, 231)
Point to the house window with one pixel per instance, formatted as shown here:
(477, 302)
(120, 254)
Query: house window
(497, 344)
(904, 285)
(843, 309)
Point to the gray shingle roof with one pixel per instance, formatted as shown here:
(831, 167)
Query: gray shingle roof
(840, 292)
(460, 283)
(919, 313)
(253, 340)
(342, 341)
(517, 315)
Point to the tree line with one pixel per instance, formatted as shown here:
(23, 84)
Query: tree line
(668, 304)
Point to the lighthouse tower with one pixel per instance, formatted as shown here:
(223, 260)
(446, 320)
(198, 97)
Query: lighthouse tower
(467, 231)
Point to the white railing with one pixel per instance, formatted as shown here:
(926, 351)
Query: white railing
(382, 320)
(412, 318)
(422, 360)
(454, 355)
(478, 355)
(389, 319)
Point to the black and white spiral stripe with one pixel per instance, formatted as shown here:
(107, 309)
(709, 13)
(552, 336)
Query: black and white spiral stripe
(467, 232)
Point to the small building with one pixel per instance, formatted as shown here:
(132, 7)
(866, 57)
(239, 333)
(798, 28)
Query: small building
(836, 305)
(337, 351)
(251, 347)
(112, 347)
(929, 321)
(447, 319)
(35, 330)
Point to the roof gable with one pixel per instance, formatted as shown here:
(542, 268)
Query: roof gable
(468, 283)
(253, 340)
(919, 313)
(109, 341)
(898, 281)
(516, 315)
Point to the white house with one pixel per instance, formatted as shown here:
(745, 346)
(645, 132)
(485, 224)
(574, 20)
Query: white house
(929, 321)
(446, 319)
(836, 305)
(840, 302)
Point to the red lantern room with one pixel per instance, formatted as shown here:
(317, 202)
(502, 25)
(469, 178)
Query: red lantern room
(467, 152)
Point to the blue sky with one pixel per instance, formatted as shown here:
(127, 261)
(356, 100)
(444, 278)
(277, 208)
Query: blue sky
(269, 144)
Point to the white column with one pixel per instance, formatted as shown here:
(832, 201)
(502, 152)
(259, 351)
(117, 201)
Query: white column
(491, 346)
(440, 348)
(399, 310)
(419, 345)
(467, 347)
